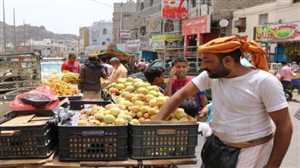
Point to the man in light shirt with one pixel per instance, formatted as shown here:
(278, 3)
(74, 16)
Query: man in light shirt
(246, 101)
(119, 70)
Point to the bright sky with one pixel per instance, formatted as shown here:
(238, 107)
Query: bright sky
(59, 16)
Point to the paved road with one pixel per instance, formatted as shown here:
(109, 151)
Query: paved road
(292, 159)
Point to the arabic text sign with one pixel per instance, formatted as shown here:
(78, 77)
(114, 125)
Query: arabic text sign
(174, 9)
(196, 25)
(279, 32)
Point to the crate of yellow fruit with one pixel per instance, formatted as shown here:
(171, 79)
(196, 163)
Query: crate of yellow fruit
(97, 132)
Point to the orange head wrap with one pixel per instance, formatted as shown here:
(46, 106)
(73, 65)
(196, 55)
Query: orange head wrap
(228, 44)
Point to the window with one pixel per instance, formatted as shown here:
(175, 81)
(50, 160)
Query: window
(263, 19)
(103, 43)
(104, 31)
(142, 6)
(143, 30)
(151, 2)
(194, 3)
(240, 24)
(108, 39)
(169, 26)
(207, 2)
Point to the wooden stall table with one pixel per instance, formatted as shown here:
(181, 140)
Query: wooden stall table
(60, 164)
(171, 162)
(126, 163)
(13, 163)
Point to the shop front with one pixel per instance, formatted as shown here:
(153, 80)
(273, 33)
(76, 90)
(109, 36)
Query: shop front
(192, 30)
(286, 37)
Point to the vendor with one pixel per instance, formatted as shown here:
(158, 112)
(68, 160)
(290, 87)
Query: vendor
(119, 70)
(245, 100)
(71, 64)
(90, 74)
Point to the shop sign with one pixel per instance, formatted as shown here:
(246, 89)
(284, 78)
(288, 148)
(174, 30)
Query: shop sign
(125, 34)
(167, 37)
(133, 45)
(196, 25)
(174, 9)
(279, 32)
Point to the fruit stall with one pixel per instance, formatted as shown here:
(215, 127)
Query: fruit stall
(41, 130)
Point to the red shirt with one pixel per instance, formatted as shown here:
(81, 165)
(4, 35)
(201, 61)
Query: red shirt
(179, 83)
(71, 66)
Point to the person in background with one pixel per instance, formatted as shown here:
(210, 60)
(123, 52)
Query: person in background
(295, 67)
(285, 75)
(178, 80)
(89, 79)
(71, 64)
(154, 76)
(141, 66)
(109, 68)
(119, 70)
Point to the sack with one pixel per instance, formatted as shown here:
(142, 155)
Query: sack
(18, 103)
(215, 154)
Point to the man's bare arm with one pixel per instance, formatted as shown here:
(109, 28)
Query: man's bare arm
(187, 91)
(282, 137)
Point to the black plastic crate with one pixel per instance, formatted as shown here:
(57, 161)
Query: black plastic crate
(105, 143)
(70, 97)
(79, 104)
(26, 142)
(163, 141)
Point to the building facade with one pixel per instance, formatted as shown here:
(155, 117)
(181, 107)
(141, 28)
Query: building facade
(84, 37)
(124, 15)
(281, 11)
(276, 26)
(100, 34)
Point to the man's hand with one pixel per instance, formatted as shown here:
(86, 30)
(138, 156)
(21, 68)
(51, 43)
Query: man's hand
(187, 91)
(282, 137)
(202, 113)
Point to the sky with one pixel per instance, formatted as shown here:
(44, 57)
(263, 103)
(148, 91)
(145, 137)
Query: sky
(58, 16)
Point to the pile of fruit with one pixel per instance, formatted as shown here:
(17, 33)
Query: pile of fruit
(111, 114)
(62, 88)
(70, 77)
(136, 102)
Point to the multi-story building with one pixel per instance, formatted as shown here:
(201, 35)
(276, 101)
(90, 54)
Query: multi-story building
(84, 36)
(53, 48)
(100, 34)
(123, 20)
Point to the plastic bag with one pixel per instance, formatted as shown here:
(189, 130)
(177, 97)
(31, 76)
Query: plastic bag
(44, 91)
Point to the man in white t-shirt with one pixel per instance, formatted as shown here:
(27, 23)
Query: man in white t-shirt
(246, 101)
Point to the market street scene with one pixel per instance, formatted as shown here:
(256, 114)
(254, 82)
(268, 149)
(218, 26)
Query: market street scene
(149, 83)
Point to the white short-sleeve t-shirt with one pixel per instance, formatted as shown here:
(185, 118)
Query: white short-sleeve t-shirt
(241, 104)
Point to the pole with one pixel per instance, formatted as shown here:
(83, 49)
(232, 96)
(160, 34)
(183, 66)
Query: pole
(121, 22)
(24, 33)
(15, 34)
(4, 29)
